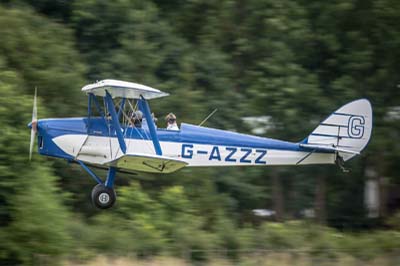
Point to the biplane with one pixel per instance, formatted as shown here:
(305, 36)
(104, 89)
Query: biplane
(108, 138)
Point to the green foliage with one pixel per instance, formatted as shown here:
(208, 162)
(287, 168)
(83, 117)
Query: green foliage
(394, 221)
(294, 61)
(33, 218)
(42, 53)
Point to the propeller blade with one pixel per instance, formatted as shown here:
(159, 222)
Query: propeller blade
(34, 125)
(33, 134)
(34, 111)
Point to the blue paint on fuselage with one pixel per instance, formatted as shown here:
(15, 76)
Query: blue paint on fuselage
(203, 135)
(51, 128)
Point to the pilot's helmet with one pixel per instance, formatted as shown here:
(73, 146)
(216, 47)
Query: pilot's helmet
(170, 118)
(138, 115)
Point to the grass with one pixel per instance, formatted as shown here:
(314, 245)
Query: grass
(272, 259)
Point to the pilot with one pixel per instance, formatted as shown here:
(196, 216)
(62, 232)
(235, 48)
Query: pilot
(171, 122)
(136, 118)
(144, 122)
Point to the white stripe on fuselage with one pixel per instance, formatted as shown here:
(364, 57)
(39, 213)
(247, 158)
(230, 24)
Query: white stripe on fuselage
(99, 150)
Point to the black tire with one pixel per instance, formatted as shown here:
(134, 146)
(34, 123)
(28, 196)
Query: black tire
(103, 197)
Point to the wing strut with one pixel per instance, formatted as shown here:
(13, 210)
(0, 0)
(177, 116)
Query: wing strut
(115, 122)
(144, 106)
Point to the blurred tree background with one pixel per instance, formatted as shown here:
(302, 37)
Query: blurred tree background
(291, 61)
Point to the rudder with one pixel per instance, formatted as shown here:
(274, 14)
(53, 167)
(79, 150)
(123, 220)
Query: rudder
(347, 128)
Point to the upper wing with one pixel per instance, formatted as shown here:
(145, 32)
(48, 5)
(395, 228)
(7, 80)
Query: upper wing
(123, 89)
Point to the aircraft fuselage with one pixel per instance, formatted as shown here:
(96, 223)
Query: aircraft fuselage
(93, 142)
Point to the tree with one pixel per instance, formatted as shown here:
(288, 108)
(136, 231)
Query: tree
(33, 218)
(42, 53)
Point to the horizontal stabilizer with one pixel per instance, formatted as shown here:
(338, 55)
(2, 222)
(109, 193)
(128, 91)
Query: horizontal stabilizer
(327, 148)
(147, 163)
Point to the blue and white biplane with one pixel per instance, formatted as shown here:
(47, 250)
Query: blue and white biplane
(108, 138)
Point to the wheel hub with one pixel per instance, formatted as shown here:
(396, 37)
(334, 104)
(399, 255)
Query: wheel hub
(104, 198)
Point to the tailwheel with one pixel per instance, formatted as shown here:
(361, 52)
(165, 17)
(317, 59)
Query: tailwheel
(103, 197)
(340, 162)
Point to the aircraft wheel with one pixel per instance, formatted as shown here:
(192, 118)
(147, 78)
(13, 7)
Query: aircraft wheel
(103, 197)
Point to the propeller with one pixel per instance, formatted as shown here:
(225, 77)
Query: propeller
(33, 125)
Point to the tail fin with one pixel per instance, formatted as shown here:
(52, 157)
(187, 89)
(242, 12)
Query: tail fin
(347, 130)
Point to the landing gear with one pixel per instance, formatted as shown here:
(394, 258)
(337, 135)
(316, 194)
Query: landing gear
(103, 197)
(340, 163)
(103, 194)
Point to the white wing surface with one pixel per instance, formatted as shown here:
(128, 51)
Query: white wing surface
(123, 89)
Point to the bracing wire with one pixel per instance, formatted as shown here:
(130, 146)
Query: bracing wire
(137, 130)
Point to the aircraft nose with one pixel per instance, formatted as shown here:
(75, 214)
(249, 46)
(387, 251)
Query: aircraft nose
(35, 124)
